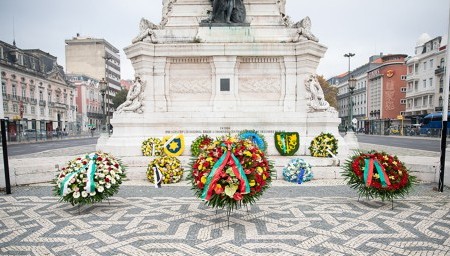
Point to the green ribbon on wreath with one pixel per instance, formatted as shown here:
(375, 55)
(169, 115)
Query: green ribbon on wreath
(368, 172)
(218, 168)
(90, 184)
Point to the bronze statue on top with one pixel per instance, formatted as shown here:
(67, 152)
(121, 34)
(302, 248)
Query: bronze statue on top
(227, 11)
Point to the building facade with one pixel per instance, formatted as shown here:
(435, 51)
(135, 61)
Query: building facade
(89, 102)
(95, 58)
(359, 96)
(36, 94)
(425, 78)
(386, 90)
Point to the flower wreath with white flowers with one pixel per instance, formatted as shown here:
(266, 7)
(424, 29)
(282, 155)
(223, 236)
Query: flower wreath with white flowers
(152, 147)
(170, 168)
(298, 171)
(322, 145)
(89, 179)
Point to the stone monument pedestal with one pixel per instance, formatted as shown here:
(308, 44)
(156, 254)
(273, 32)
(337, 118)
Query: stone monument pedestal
(195, 79)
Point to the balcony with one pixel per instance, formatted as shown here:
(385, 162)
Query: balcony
(57, 105)
(439, 70)
(95, 115)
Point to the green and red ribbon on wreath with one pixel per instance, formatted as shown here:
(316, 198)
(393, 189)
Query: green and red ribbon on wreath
(227, 158)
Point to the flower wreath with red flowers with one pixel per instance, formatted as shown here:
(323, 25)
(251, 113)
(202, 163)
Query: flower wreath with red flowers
(89, 179)
(378, 174)
(200, 144)
(230, 173)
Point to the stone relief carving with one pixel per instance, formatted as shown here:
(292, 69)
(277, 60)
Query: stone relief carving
(227, 11)
(191, 86)
(285, 19)
(167, 9)
(316, 100)
(147, 32)
(304, 30)
(389, 95)
(258, 85)
(135, 97)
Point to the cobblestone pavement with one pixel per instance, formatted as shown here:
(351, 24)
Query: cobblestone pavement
(288, 220)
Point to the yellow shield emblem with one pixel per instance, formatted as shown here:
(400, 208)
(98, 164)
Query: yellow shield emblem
(173, 145)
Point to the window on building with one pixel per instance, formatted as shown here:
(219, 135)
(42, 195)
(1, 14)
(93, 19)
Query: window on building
(440, 101)
(431, 82)
(416, 68)
(50, 112)
(2, 56)
(403, 77)
(42, 111)
(15, 108)
(24, 91)
(431, 63)
(441, 85)
(58, 98)
(3, 87)
(403, 101)
(410, 69)
(65, 98)
(32, 94)
(41, 95)
(424, 83)
(403, 89)
(33, 110)
(5, 106)
(49, 97)
(424, 65)
(430, 100)
(14, 91)
(442, 64)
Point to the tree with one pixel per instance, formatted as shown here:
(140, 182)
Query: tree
(121, 97)
(329, 91)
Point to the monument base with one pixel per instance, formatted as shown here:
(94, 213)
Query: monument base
(131, 130)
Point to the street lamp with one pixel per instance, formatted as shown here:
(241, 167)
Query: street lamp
(351, 87)
(349, 56)
(103, 87)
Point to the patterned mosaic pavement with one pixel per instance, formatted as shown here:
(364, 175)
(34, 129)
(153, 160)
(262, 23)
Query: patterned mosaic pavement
(315, 220)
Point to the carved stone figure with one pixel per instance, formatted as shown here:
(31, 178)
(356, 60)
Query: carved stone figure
(135, 97)
(317, 100)
(304, 30)
(147, 30)
(227, 11)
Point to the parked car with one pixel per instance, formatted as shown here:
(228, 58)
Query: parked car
(29, 134)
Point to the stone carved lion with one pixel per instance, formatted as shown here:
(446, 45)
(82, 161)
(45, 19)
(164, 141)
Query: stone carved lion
(135, 97)
(147, 31)
(317, 100)
(304, 30)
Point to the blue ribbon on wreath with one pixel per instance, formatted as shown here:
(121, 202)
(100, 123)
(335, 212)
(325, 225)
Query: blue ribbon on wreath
(255, 138)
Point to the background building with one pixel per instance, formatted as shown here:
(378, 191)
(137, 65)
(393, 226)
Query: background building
(425, 78)
(98, 59)
(386, 88)
(359, 96)
(36, 94)
(89, 102)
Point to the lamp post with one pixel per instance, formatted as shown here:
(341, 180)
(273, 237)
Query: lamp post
(350, 137)
(351, 87)
(349, 56)
(103, 86)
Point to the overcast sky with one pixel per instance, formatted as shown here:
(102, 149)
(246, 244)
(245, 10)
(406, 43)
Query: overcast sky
(363, 27)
